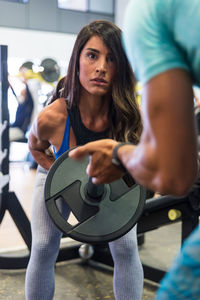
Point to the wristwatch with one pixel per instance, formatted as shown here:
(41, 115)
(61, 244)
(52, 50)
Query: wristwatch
(115, 160)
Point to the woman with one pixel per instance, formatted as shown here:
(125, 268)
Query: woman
(97, 101)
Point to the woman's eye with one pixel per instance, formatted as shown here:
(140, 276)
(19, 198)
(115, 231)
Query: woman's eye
(92, 55)
(110, 59)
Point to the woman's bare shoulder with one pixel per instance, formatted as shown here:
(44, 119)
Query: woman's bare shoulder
(58, 106)
(51, 117)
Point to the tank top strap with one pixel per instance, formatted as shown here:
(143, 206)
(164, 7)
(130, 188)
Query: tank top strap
(65, 142)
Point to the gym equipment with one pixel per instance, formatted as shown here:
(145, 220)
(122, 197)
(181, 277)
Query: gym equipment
(104, 212)
(86, 251)
(51, 70)
(48, 71)
(8, 200)
(165, 210)
(161, 211)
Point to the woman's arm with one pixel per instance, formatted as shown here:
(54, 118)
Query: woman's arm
(38, 140)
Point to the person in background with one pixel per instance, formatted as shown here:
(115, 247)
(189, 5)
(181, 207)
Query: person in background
(28, 76)
(27, 109)
(163, 47)
(21, 125)
(97, 101)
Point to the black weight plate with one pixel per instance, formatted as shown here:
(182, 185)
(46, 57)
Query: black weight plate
(51, 70)
(118, 211)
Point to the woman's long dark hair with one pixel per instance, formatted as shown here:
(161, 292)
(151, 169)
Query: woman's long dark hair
(125, 119)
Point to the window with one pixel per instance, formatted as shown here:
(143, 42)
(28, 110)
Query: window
(95, 6)
(103, 6)
(81, 5)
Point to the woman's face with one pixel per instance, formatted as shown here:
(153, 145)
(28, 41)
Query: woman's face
(97, 67)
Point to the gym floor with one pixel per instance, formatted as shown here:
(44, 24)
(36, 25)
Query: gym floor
(74, 279)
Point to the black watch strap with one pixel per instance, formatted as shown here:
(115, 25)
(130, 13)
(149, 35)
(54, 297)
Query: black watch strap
(115, 160)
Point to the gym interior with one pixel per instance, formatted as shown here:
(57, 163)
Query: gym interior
(41, 34)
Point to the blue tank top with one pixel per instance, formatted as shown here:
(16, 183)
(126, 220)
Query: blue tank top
(65, 143)
(82, 134)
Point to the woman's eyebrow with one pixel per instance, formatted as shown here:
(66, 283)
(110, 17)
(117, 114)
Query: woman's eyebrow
(97, 51)
(92, 49)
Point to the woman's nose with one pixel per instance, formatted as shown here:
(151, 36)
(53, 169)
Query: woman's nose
(101, 66)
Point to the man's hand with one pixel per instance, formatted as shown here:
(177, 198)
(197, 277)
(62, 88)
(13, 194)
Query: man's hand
(100, 167)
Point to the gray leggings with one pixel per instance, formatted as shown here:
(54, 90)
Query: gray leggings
(39, 285)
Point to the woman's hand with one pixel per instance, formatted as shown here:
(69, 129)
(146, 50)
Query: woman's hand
(100, 167)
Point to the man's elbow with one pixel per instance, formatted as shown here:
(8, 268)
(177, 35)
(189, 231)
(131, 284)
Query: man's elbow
(176, 188)
(176, 185)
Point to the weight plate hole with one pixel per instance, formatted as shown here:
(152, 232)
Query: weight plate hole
(65, 212)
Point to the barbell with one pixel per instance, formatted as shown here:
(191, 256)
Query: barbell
(49, 70)
(103, 212)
